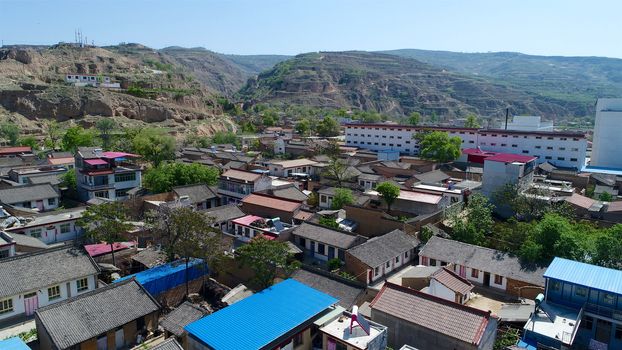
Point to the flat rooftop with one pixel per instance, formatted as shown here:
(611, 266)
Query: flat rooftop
(339, 328)
(555, 322)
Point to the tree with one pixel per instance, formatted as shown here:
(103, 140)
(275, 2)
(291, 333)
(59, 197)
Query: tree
(105, 127)
(328, 127)
(10, 132)
(529, 206)
(221, 137)
(328, 221)
(438, 146)
(106, 223)
(186, 233)
(472, 121)
(265, 257)
(29, 141)
(313, 200)
(605, 197)
(154, 145)
(475, 223)
(608, 248)
(338, 170)
(414, 118)
(268, 120)
(303, 127)
(166, 176)
(53, 134)
(389, 193)
(77, 137)
(342, 197)
(69, 179)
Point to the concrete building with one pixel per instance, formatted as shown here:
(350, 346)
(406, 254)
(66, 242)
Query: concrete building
(91, 80)
(106, 175)
(562, 149)
(42, 197)
(529, 123)
(7, 245)
(323, 243)
(351, 331)
(502, 169)
(287, 168)
(607, 143)
(234, 185)
(52, 227)
(446, 284)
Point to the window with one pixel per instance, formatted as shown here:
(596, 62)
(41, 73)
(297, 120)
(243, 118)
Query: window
(121, 193)
(514, 145)
(65, 228)
(556, 286)
(397, 259)
(321, 249)
(525, 151)
(493, 144)
(82, 284)
(26, 204)
(432, 262)
(101, 194)
(538, 137)
(504, 145)
(587, 322)
(618, 333)
(35, 232)
(538, 147)
(377, 271)
(322, 199)
(561, 158)
(573, 159)
(4, 254)
(548, 157)
(405, 255)
(609, 299)
(471, 141)
(6, 306)
(388, 264)
(51, 201)
(504, 135)
(443, 263)
(581, 292)
(575, 149)
(549, 147)
(126, 177)
(498, 279)
(562, 148)
(53, 292)
(475, 273)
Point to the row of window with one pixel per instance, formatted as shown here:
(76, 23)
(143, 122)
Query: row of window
(473, 133)
(64, 228)
(125, 177)
(6, 305)
(582, 292)
(588, 323)
(388, 264)
(574, 149)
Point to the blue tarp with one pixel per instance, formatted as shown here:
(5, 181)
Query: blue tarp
(14, 343)
(164, 277)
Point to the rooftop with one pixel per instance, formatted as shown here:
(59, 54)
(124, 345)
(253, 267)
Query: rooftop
(452, 281)
(414, 196)
(555, 322)
(225, 213)
(346, 292)
(294, 163)
(241, 175)
(510, 158)
(381, 249)
(18, 149)
(180, 317)
(168, 344)
(197, 193)
(50, 218)
(271, 202)
(262, 318)
(439, 315)
(27, 193)
(328, 236)
(591, 276)
(339, 328)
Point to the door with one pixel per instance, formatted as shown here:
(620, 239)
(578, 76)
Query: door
(312, 248)
(102, 343)
(462, 271)
(40, 205)
(31, 303)
(119, 342)
(487, 278)
(331, 253)
(603, 331)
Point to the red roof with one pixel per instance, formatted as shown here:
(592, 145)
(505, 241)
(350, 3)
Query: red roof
(19, 149)
(510, 158)
(246, 220)
(104, 248)
(271, 202)
(111, 155)
(95, 161)
(580, 201)
(60, 161)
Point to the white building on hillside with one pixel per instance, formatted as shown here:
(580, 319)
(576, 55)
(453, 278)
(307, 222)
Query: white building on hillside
(91, 80)
(529, 123)
(607, 134)
(562, 149)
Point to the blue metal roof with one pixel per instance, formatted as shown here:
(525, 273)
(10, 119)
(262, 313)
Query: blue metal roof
(14, 343)
(592, 276)
(164, 277)
(262, 318)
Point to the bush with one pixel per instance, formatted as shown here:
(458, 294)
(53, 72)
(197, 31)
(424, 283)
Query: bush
(334, 264)
(328, 222)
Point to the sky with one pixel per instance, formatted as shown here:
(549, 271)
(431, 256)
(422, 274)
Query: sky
(540, 27)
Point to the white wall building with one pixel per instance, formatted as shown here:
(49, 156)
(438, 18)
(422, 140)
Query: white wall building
(91, 80)
(562, 149)
(529, 123)
(607, 142)
(51, 227)
(503, 169)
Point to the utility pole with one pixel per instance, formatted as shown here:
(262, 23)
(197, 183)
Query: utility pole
(507, 114)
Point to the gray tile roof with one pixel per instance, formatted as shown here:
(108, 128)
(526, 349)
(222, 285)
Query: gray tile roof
(24, 273)
(432, 177)
(27, 241)
(180, 317)
(482, 258)
(20, 194)
(347, 293)
(381, 249)
(328, 236)
(168, 344)
(225, 213)
(290, 192)
(197, 193)
(81, 318)
(53, 179)
(150, 257)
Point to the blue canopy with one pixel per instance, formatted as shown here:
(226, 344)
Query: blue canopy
(164, 277)
(14, 343)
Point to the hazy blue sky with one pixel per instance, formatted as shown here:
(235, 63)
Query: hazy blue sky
(545, 27)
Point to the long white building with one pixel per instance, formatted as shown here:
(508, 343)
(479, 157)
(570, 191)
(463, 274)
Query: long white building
(562, 149)
(607, 142)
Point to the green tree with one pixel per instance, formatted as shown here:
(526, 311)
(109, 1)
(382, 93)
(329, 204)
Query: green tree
(52, 134)
(313, 200)
(608, 247)
(265, 257)
(248, 128)
(605, 197)
(105, 126)
(475, 223)
(186, 233)
(69, 179)
(154, 145)
(303, 127)
(329, 222)
(10, 131)
(106, 222)
(389, 193)
(328, 127)
(425, 234)
(333, 264)
(168, 175)
(268, 120)
(338, 170)
(222, 137)
(472, 121)
(438, 146)
(76, 137)
(342, 197)
(414, 118)
(29, 141)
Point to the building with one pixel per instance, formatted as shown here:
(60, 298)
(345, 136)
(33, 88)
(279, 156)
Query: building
(351, 331)
(287, 168)
(278, 317)
(222, 216)
(323, 243)
(234, 185)
(606, 142)
(581, 307)
(7, 245)
(270, 207)
(181, 316)
(529, 123)
(200, 196)
(41, 197)
(248, 227)
(562, 149)
(379, 256)
(106, 318)
(30, 281)
(106, 175)
(415, 202)
(502, 169)
(91, 80)
(428, 322)
(36, 175)
(50, 228)
(484, 266)
(446, 284)
(16, 151)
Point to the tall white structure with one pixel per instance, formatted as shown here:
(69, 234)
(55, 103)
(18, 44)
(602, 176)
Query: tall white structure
(529, 123)
(607, 143)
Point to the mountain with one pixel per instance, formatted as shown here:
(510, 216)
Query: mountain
(395, 85)
(255, 64)
(572, 79)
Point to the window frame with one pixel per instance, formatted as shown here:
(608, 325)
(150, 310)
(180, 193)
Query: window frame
(6, 306)
(54, 296)
(84, 287)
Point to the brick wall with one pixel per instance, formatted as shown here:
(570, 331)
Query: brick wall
(371, 221)
(252, 209)
(356, 267)
(523, 289)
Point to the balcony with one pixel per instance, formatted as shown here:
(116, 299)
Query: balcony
(94, 187)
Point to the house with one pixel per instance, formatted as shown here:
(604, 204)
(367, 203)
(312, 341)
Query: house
(64, 159)
(583, 206)
(181, 316)
(613, 212)
(351, 331)
(369, 181)
(7, 245)
(414, 202)
(429, 322)
(91, 80)
(200, 196)
(270, 207)
(223, 215)
(36, 175)
(234, 185)
(379, 256)
(16, 151)
(41, 197)
(248, 227)
(433, 177)
(287, 168)
(27, 244)
(417, 277)
(278, 317)
(106, 175)
(323, 243)
(580, 308)
(348, 292)
(168, 344)
(287, 191)
(606, 142)
(106, 318)
(34, 280)
(446, 284)
(327, 194)
(503, 169)
(147, 258)
(484, 266)
(55, 227)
